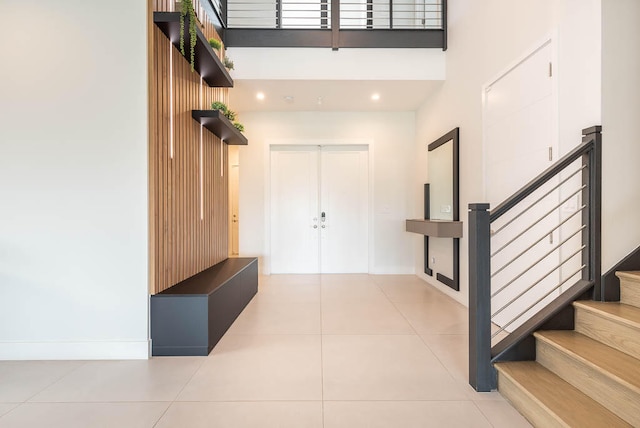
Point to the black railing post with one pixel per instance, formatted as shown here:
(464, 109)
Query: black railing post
(592, 196)
(391, 14)
(335, 24)
(324, 7)
(444, 25)
(482, 375)
(278, 13)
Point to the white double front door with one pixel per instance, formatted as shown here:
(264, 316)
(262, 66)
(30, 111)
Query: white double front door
(319, 209)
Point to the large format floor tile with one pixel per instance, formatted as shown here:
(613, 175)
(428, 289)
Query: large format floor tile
(406, 289)
(452, 351)
(436, 317)
(83, 415)
(502, 415)
(403, 414)
(357, 290)
(7, 407)
(363, 317)
(308, 351)
(21, 380)
(384, 368)
(266, 414)
(260, 367)
(289, 288)
(158, 379)
(272, 316)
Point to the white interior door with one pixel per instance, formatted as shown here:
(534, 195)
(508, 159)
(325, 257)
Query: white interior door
(319, 209)
(344, 205)
(520, 141)
(294, 210)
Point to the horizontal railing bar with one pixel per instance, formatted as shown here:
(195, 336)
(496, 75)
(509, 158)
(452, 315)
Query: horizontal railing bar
(501, 329)
(537, 261)
(539, 280)
(395, 18)
(540, 180)
(539, 220)
(495, 232)
(538, 241)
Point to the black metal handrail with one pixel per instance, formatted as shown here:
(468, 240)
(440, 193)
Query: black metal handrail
(335, 23)
(482, 354)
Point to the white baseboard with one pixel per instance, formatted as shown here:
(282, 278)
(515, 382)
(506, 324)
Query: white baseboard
(74, 350)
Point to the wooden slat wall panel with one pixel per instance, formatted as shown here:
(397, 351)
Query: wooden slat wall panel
(182, 243)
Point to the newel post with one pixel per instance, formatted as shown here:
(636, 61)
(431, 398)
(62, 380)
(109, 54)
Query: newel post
(592, 195)
(482, 375)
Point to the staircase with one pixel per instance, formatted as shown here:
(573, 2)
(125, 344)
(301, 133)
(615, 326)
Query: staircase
(587, 377)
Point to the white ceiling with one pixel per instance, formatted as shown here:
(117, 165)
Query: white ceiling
(335, 95)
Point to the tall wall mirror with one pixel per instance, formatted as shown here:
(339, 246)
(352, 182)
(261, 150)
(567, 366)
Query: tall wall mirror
(440, 163)
(442, 196)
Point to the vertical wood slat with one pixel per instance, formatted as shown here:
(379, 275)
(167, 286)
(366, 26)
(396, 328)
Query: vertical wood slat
(182, 244)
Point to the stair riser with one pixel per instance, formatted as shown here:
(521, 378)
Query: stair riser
(622, 337)
(630, 292)
(619, 398)
(538, 415)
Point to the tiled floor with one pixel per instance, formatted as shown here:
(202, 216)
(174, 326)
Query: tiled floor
(309, 351)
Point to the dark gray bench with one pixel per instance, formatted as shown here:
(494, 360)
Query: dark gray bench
(191, 317)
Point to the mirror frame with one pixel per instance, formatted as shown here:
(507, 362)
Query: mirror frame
(452, 136)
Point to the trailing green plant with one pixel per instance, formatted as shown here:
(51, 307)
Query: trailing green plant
(227, 63)
(218, 105)
(239, 126)
(215, 44)
(186, 9)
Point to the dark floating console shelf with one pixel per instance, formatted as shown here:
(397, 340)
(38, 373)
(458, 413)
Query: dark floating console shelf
(207, 63)
(218, 123)
(435, 228)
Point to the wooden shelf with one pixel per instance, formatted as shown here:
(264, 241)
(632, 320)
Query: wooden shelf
(216, 122)
(207, 63)
(435, 228)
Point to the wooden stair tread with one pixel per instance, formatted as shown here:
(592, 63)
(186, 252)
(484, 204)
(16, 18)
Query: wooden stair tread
(626, 314)
(566, 402)
(603, 358)
(632, 275)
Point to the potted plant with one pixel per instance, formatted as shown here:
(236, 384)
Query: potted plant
(229, 114)
(227, 63)
(215, 44)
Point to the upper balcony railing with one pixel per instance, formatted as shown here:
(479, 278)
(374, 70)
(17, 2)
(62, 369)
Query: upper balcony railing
(333, 23)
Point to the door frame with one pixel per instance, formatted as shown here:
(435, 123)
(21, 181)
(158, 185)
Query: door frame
(314, 142)
(550, 40)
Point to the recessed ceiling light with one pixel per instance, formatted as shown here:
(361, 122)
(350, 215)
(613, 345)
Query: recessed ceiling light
(375, 97)
(260, 96)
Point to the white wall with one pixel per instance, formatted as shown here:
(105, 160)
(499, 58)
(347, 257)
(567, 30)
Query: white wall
(343, 64)
(392, 138)
(484, 39)
(621, 143)
(73, 179)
